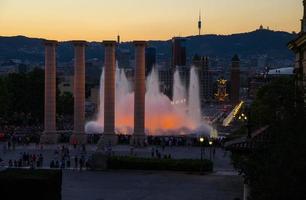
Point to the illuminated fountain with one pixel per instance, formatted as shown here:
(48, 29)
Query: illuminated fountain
(162, 116)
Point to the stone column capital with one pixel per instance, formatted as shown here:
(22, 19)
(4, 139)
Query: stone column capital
(140, 43)
(109, 43)
(79, 42)
(50, 42)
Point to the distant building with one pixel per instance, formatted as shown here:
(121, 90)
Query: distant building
(200, 23)
(259, 80)
(178, 52)
(235, 80)
(298, 46)
(123, 58)
(150, 59)
(66, 84)
(165, 76)
(205, 78)
(94, 95)
(286, 71)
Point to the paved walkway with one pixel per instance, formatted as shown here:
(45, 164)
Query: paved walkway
(221, 159)
(223, 184)
(146, 185)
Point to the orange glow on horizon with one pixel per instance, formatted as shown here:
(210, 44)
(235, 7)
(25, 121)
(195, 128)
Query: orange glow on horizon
(97, 20)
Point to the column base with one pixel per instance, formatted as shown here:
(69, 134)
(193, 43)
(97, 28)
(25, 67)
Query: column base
(78, 138)
(49, 137)
(138, 140)
(107, 139)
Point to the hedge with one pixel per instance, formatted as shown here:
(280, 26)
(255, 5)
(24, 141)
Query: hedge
(190, 165)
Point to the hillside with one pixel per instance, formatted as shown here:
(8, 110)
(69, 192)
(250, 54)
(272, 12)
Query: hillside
(259, 42)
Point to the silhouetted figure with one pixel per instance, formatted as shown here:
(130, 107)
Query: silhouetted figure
(9, 145)
(83, 148)
(10, 163)
(57, 164)
(68, 163)
(52, 164)
(76, 162)
(81, 162)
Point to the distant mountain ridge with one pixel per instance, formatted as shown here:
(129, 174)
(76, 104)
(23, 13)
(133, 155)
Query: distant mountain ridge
(259, 42)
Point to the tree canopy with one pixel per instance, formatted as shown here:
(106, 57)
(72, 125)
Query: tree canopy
(276, 169)
(22, 99)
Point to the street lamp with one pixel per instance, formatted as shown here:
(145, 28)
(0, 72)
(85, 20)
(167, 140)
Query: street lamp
(201, 142)
(210, 144)
(202, 150)
(245, 118)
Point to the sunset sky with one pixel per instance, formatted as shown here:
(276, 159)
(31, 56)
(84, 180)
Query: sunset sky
(96, 20)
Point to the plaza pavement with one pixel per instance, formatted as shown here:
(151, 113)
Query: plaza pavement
(224, 183)
(146, 185)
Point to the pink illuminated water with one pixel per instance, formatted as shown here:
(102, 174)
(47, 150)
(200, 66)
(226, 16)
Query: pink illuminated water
(162, 116)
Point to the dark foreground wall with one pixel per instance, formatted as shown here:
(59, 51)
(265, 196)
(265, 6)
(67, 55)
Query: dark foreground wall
(30, 184)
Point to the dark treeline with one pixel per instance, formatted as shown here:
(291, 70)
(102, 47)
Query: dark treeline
(22, 99)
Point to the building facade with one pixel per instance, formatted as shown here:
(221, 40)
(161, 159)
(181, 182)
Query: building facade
(178, 52)
(205, 78)
(150, 59)
(298, 46)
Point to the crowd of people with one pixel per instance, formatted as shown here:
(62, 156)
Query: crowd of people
(62, 158)
(27, 160)
(155, 153)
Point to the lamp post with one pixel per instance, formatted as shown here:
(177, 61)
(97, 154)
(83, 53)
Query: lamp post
(244, 118)
(210, 144)
(201, 142)
(202, 149)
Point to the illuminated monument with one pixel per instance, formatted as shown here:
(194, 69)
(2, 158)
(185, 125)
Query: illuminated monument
(49, 136)
(109, 137)
(139, 137)
(78, 135)
(221, 94)
(139, 111)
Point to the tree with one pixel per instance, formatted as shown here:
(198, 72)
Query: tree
(22, 99)
(276, 168)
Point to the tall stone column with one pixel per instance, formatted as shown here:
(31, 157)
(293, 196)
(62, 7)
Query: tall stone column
(139, 138)
(109, 137)
(78, 136)
(50, 136)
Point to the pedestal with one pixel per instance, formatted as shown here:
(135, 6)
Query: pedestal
(138, 141)
(49, 138)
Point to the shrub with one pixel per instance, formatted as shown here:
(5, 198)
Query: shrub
(190, 165)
